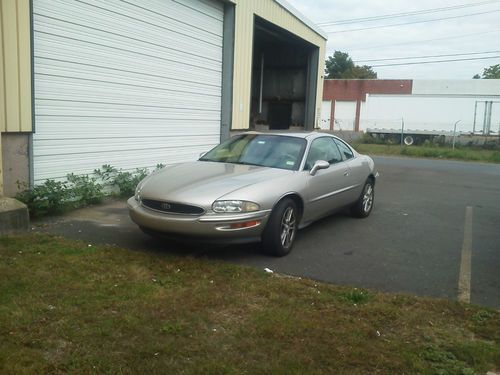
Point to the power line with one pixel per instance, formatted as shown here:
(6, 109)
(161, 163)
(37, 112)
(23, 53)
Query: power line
(378, 46)
(413, 22)
(404, 14)
(428, 56)
(436, 61)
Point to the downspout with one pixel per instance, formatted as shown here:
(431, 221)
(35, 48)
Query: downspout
(261, 83)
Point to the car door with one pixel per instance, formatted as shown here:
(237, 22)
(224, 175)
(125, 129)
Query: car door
(326, 190)
(357, 170)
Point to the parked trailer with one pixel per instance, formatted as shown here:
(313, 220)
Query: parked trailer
(416, 137)
(411, 137)
(413, 119)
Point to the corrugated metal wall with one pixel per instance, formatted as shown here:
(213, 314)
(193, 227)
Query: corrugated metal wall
(271, 11)
(15, 66)
(126, 83)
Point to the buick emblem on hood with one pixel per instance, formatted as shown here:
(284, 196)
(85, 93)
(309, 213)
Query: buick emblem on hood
(165, 206)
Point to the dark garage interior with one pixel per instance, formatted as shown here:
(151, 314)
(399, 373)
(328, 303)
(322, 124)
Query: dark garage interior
(283, 95)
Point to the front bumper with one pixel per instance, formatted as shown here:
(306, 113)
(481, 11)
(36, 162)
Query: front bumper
(210, 226)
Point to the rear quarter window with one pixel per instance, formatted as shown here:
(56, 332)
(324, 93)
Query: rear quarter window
(344, 150)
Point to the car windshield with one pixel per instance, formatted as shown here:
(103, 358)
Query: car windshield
(275, 151)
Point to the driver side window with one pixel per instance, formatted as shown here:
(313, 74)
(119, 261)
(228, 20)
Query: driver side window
(323, 149)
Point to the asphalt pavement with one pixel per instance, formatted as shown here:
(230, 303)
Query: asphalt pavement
(417, 240)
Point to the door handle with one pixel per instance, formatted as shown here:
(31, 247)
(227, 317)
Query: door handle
(346, 173)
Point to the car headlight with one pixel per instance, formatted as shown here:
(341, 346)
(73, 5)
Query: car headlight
(234, 206)
(137, 194)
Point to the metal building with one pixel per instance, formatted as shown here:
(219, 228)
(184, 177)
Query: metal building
(139, 82)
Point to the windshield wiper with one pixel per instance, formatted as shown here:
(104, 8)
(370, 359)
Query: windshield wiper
(248, 163)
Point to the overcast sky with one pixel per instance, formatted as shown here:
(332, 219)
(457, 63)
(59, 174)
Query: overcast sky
(470, 34)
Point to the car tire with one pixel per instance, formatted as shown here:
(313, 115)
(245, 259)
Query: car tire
(364, 205)
(281, 229)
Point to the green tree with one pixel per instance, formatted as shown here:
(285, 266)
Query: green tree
(341, 66)
(493, 72)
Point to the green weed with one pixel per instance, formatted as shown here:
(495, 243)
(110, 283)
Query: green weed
(356, 296)
(54, 197)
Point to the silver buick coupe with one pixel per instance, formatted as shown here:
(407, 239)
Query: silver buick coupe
(256, 187)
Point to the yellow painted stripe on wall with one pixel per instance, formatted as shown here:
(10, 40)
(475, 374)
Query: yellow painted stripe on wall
(271, 11)
(2, 74)
(15, 66)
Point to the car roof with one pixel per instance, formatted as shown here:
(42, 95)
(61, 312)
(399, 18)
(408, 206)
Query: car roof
(304, 134)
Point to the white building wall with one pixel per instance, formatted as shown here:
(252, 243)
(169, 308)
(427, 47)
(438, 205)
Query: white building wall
(345, 115)
(326, 114)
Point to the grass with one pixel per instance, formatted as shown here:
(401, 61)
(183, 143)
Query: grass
(437, 152)
(66, 307)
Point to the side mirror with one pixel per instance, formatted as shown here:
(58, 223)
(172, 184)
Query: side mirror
(202, 154)
(320, 164)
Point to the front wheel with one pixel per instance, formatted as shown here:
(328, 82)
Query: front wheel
(364, 204)
(281, 229)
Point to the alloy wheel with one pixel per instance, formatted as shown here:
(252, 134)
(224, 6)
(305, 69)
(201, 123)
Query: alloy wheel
(288, 227)
(368, 198)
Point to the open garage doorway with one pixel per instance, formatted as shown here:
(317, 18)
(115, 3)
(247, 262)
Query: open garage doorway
(284, 79)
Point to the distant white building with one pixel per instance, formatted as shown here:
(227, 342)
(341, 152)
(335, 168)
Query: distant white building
(428, 105)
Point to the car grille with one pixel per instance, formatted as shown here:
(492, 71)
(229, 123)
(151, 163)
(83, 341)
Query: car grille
(172, 208)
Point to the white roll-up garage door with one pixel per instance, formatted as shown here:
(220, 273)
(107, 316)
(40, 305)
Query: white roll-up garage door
(130, 83)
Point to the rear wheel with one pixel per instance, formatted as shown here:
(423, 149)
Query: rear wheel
(408, 140)
(363, 206)
(281, 229)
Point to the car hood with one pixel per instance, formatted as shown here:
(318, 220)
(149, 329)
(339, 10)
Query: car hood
(201, 183)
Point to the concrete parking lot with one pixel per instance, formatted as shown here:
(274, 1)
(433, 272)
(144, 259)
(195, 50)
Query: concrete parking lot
(434, 231)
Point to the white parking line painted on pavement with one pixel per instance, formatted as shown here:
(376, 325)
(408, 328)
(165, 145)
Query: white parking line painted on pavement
(465, 262)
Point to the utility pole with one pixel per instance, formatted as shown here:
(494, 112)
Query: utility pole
(475, 114)
(498, 133)
(402, 131)
(455, 133)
